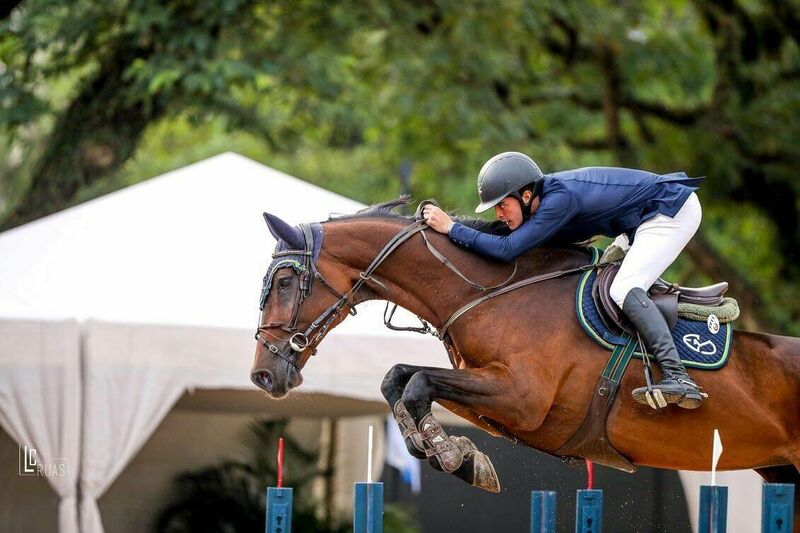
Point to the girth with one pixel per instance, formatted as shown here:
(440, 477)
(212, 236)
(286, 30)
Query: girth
(591, 441)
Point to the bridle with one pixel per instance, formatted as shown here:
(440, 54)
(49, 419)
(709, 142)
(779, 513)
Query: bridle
(316, 331)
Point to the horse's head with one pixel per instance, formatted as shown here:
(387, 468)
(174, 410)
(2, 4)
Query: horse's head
(299, 305)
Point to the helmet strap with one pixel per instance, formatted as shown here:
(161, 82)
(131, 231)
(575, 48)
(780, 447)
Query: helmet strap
(536, 190)
(524, 207)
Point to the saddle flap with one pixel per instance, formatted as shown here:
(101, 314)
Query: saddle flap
(610, 313)
(668, 305)
(666, 301)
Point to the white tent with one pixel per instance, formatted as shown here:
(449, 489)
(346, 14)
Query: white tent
(111, 310)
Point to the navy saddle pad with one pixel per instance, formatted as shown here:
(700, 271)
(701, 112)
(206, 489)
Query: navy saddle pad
(697, 345)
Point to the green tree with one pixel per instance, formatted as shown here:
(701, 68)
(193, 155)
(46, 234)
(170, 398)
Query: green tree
(344, 93)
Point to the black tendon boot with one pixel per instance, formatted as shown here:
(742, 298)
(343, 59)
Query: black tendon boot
(676, 386)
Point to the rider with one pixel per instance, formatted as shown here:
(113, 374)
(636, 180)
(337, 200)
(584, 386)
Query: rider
(653, 215)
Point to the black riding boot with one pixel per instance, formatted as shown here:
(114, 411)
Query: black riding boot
(676, 386)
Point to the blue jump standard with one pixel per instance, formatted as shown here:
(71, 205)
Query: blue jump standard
(713, 509)
(777, 514)
(589, 512)
(279, 510)
(543, 511)
(368, 508)
(777, 509)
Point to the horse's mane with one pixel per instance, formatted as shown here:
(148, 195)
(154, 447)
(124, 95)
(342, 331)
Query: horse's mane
(386, 210)
(381, 210)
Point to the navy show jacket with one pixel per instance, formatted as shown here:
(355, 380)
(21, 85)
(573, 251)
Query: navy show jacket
(581, 203)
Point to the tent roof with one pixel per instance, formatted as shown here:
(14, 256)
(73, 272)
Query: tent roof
(189, 247)
(176, 262)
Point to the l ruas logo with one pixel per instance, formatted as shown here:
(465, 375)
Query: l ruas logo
(31, 465)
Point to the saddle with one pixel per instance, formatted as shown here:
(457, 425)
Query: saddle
(665, 295)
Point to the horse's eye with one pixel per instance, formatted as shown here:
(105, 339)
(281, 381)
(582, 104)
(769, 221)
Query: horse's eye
(283, 283)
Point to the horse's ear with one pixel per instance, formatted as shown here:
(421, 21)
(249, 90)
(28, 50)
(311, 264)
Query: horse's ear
(284, 232)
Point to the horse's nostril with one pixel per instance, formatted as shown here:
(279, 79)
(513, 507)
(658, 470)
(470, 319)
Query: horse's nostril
(263, 379)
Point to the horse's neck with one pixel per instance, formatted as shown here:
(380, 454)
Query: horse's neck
(413, 278)
(403, 275)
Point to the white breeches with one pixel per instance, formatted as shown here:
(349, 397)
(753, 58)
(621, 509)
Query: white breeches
(656, 245)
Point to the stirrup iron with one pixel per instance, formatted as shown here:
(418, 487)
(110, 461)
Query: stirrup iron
(655, 398)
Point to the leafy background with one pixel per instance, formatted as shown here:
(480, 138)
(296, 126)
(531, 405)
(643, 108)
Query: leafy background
(351, 95)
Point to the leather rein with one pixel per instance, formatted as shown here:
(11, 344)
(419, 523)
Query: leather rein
(316, 331)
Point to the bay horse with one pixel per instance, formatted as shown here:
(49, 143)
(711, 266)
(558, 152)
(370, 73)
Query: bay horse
(523, 368)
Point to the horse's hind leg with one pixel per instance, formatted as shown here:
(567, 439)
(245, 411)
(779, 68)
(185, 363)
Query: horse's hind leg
(482, 389)
(785, 474)
(394, 383)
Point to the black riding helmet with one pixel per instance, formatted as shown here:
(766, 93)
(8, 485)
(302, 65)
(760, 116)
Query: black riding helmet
(508, 174)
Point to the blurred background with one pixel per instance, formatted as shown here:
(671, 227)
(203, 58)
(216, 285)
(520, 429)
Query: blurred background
(372, 99)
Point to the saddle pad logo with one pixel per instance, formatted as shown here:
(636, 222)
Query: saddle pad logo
(692, 341)
(713, 324)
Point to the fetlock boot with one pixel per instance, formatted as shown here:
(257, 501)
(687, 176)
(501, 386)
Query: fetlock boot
(676, 385)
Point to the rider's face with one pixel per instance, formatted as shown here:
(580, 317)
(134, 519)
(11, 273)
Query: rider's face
(510, 212)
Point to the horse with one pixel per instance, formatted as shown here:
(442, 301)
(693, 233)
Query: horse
(522, 367)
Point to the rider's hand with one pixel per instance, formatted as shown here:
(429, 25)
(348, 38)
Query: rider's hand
(437, 219)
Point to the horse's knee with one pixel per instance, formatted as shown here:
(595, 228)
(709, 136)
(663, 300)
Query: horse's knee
(391, 386)
(417, 395)
(418, 387)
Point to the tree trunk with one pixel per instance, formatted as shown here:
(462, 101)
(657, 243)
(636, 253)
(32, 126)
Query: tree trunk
(97, 133)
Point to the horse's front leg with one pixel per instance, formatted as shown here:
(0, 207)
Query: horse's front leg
(394, 383)
(488, 390)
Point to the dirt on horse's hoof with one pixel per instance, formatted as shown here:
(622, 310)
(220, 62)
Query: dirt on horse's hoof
(484, 475)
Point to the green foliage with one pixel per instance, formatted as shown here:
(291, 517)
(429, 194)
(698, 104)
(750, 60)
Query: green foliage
(399, 519)
(94, 96)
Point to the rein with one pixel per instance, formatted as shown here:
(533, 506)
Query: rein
(514, 286)
(316, 331)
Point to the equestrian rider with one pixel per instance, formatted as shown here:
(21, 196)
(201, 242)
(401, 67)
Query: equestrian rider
(652, 215)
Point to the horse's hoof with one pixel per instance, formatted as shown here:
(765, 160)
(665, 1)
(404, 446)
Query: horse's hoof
(465, 445)
(484, 475)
